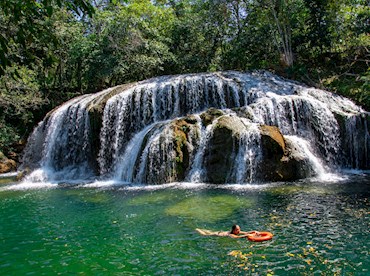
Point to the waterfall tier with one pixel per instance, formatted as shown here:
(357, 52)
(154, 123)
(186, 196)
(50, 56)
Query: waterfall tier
(226, 127)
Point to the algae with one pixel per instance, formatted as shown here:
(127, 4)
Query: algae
(208, 209)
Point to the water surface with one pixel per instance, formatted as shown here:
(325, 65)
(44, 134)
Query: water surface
(97, 229)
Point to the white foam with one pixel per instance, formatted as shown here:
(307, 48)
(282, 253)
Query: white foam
(329, 177)
(104, 184)
(29, 186)
(10, 174)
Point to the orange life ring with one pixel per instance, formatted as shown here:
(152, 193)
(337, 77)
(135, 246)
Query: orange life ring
(260, 236)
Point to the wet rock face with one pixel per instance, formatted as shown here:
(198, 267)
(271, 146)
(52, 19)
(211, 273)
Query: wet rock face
(168, 155)
(220, 153)
(355, 140)
(273, 149)
(279, 163)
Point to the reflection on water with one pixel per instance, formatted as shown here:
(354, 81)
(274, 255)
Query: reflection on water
(319, 228)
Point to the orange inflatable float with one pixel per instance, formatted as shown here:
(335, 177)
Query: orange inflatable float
(260, 236)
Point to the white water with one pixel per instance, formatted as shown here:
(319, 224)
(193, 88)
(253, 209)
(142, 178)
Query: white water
(303, 148)
(125, 167)
(197, 172)
(248, 156)
(137, 142)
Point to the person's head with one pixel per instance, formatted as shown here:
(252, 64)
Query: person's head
(235, 229)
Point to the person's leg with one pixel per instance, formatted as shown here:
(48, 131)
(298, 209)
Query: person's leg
(205, 232)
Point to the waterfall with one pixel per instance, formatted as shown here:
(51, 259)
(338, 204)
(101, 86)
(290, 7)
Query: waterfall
(156, 160)
(304, 148)
(162, 130)
(301, 116)
(197, 172)
(125, 166)
(248, 156)
(61, 143)
(357, 142)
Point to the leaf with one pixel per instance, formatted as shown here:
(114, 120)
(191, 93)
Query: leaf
(234, 253)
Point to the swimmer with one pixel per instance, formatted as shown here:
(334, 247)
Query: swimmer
(234, 233)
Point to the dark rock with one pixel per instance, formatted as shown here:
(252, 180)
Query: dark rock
(355, 140)
(220, 153)
(280, 163)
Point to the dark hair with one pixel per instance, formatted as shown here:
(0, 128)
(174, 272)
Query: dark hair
(233, 228)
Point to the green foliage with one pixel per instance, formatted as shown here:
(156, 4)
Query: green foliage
(19, 98)
(7, 135)
(23, 23)
(51, 51)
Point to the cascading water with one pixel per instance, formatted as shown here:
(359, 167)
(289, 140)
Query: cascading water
(177, 128)
(248, 156)
(197, 172)
(61, 144)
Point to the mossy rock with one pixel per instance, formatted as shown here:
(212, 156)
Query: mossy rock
(181, 129)
(2, 156)
(210, 115)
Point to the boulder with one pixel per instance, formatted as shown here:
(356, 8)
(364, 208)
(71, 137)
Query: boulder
(181, 129)
(6, 164)
(280, 162)
(220, 154)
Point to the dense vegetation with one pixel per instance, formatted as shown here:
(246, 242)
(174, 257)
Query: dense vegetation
(52, 50)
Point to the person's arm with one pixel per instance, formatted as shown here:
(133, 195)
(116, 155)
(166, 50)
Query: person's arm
(237, 236)
(249, 233)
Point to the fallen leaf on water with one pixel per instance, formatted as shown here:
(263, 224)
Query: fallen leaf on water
(234, 253)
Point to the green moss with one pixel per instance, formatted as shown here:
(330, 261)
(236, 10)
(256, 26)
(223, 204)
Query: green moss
(290, 190)
(7, 180)
(155, 198)
(181, 129)
(210, 115)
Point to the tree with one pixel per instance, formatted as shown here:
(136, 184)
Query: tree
(22, 22)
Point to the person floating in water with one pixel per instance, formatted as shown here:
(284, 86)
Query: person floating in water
(234, 233)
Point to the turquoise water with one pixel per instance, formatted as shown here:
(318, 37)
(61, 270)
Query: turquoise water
(319, 228)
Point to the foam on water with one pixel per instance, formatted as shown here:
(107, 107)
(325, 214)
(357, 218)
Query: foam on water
(10, 174)
(29, 186)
